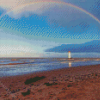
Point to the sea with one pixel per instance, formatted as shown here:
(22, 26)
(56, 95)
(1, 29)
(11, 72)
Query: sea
(21, 66)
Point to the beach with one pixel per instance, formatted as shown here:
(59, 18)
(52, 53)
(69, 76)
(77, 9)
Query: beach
(49, 49)
(75, 83)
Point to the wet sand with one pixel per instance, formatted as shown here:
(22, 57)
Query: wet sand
(75, 83)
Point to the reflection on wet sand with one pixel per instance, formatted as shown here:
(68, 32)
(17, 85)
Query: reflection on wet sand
(70, 64)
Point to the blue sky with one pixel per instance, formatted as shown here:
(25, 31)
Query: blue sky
(28, 28)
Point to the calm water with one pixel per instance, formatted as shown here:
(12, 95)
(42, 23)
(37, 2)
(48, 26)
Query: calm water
(36, 65)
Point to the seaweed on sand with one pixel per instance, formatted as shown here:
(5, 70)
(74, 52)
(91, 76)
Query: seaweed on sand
(31, 80)
(26, 93)
(50, 84)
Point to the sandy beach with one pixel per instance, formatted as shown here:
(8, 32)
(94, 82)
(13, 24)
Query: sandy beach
(75, 83)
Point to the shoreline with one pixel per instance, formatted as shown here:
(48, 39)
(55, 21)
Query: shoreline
(54, 70)
(58, 59)
(59, 78)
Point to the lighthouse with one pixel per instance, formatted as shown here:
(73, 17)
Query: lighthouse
(69, 54)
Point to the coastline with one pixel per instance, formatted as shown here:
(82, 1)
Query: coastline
(65, 83)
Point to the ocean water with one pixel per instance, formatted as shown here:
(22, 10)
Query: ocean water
(36, 65)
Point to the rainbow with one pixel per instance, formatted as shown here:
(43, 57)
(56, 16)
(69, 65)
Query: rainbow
(54, 2)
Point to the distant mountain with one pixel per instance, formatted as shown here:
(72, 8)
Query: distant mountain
(92, 46)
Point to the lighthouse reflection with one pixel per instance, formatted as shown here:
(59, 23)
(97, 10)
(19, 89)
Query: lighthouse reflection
(70, 64)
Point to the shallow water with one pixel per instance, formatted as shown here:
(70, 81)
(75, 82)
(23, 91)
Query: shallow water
(36, 65)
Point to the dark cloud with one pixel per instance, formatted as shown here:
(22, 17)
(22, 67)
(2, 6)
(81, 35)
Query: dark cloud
(93, 46)
(92, 6)
(69, 18)
(65, 16)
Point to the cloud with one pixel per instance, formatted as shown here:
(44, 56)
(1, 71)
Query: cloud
(11, 4)
(27, 8)
(93, 46)
(18, 51)
(57, 15)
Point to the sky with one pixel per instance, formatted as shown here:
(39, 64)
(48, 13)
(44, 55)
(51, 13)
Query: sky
(34, 28)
